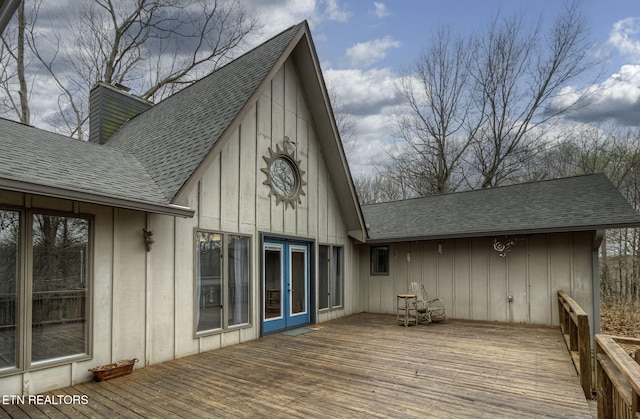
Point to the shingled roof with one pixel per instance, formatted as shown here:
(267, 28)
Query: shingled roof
(154, 158)
(150, 158)
(570, 204)
(38, 161)
(173, 137)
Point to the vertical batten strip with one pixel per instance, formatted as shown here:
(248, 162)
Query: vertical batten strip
(175, 288)
(239, 179)
(115, 256)
(147, 297)
(489, 313)
(469, 277)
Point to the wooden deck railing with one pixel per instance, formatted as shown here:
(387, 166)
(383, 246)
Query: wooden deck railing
(574, 323)
(618, 378)
(49, 307)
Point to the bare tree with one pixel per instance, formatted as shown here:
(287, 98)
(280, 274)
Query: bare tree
(344, 120)
(478, 108)
(518, 71)
(15, 98)
(590, 149)
(379, 187)
(438, 123)
(154, 46)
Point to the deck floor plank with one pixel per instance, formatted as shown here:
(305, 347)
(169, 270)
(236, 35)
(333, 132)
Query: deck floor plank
(363, 365)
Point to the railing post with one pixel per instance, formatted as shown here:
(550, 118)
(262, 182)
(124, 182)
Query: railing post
(584, 350)
(605, 387)
(635, 397)
(561, 312)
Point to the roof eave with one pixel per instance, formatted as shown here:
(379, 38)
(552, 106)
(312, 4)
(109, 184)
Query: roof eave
(518, 232)
(93, 198)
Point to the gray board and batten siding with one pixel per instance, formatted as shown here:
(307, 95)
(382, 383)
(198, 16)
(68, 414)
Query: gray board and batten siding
(446, 242)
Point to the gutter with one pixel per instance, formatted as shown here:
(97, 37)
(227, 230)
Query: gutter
(92, 198)
(522, 232)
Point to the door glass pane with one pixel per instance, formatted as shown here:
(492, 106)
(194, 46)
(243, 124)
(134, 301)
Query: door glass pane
(323, 281)
(238, 261)
(9, 239)
(60, 254)
(208, 281)
(298, 281)
(337, 276)
(272, 282)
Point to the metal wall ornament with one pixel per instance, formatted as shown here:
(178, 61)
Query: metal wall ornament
(148, 238)
(504, 245)
(284, 177)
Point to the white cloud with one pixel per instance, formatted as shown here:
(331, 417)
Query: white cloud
(277, 15)
(334, 11)
(365, 54)
(617, 98)
(625, 37)
(380, 9)
(363, 92)
(370, 97)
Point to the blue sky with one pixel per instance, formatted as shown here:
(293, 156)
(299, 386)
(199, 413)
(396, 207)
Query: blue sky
(363, 45)
(409, 22)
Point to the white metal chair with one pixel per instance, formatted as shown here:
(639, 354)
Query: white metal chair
(428, 310)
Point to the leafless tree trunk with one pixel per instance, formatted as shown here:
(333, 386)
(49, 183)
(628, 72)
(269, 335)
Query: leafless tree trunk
(518, 72)
(344, 121)
(380, 187)
(439, 122)
(155, 46)
(12, 56)
(477, 108)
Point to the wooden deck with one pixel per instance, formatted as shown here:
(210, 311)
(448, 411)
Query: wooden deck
(359, 366)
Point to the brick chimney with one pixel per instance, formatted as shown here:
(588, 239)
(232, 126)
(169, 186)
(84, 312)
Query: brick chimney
(109, 108)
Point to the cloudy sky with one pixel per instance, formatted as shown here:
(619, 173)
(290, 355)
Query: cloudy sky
(363, 45)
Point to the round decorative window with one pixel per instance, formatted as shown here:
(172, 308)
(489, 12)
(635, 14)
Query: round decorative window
(284, 177)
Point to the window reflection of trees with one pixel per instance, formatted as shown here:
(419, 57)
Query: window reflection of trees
(209, 281)
(59, 299)
(59, 252)
(9, 228)
(9, 244)
(283, 177)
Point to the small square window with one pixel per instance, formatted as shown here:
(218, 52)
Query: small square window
(380, 260)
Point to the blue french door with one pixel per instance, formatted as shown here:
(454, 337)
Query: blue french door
(285, 283)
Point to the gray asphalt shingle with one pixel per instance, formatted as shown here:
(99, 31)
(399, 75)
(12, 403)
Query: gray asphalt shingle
(575, 203)
(152, 155)
(174, 136)
(41, 157)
